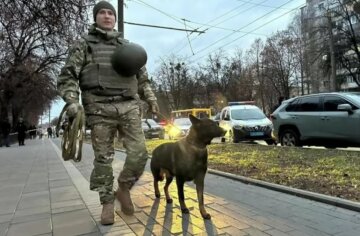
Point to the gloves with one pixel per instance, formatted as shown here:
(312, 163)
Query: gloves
(153, 107)
(72, 110)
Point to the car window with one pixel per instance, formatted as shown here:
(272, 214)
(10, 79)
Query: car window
(182, 121)
(293, 106)
(247, 114)
(307, 104)
(331, 103)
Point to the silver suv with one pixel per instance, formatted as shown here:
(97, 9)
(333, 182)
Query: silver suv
(244, 121)
(326, 119)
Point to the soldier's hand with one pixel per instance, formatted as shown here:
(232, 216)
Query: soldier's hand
(154, 107)
(72, 110)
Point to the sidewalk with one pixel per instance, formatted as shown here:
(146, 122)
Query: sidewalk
(42, 195)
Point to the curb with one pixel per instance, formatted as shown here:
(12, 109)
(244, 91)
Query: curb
(335, 201)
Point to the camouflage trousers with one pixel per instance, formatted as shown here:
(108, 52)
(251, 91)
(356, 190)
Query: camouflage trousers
(106, 119)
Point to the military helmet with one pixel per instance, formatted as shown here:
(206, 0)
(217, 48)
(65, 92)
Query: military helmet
(128, 59)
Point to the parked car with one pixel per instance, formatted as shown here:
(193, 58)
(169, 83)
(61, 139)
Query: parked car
(179, 128)
(152, 129)
(326, 119)
(245, 121)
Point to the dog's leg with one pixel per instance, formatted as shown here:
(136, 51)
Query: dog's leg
(199, 182)
(156, 188)
(169, 179)
(180, 186)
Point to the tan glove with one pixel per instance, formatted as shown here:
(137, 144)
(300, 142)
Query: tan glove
(153, 107)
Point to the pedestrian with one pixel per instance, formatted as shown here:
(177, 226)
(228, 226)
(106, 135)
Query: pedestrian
(21, 130)
(110, 90)
(280, 100)
(50, 132)
(5, 130)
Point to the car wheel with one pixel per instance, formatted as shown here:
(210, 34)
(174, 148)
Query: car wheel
(290, 137)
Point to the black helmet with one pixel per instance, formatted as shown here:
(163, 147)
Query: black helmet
(128, 59)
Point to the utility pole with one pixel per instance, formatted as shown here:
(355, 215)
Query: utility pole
(332, 54)
(121, 17)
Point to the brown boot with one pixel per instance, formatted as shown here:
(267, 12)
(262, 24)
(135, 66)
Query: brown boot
(123, 195)
(107, 214)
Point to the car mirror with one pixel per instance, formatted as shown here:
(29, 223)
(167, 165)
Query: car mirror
(345, 107)
(227, 118)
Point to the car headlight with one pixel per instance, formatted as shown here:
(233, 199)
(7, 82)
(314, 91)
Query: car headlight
(238, 126)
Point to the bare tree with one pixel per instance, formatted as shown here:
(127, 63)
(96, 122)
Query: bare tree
(175, 81)
(279, 64)
(34, 36)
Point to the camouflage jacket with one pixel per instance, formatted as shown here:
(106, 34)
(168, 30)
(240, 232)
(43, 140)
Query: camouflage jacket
(79, 56)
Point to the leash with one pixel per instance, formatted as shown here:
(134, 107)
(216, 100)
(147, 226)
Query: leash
(73, 136)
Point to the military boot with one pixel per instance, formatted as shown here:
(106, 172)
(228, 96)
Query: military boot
(107, 214)
(123, 195)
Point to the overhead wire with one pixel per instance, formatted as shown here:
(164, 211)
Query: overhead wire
(213, 26)
(252, 22)
(177, 19)
(228, 43)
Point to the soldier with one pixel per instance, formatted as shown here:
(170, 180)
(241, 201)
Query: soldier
(111, 75)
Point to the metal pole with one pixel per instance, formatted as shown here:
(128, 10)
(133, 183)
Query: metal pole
(121, 17)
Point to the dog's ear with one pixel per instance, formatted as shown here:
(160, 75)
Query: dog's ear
(193, 119)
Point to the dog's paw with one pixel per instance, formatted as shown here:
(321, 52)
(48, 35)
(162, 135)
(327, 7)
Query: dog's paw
(206, 216)
(185, 210)
(169, 201)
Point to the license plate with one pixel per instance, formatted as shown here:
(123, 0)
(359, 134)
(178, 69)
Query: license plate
(256, 133)
(154, 133)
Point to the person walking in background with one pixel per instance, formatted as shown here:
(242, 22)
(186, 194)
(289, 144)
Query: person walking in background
(280, 100)
(21, 130)
(50, 132)
(111, 81)
(5, 130)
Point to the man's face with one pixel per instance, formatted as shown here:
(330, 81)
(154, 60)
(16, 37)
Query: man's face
(105, 19)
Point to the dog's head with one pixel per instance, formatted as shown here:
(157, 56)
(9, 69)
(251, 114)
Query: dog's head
(205, 130)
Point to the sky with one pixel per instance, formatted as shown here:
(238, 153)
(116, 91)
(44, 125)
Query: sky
(227, 25)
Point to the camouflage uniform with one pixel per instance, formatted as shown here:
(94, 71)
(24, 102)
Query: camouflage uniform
(111, 104)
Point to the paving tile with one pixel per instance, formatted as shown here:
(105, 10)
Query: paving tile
(32, 211)
(5, 218)
(36, 199)
(68, 208)
(68, 203)
(60, 183)
(36, 227)
(8, 205)
(255, 232)
(3, 228)
(73, 223)
(37, 187)
(60, 196)
(140, 229)
(40, 216)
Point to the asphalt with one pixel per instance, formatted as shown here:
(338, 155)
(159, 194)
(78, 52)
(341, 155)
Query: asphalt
(40, 194)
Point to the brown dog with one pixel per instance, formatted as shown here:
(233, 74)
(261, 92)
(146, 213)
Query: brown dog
(185, 159)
